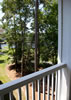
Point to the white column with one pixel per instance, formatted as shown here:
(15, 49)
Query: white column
(64, 50)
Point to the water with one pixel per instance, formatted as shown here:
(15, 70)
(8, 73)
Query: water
(3, 46)
(6, 45)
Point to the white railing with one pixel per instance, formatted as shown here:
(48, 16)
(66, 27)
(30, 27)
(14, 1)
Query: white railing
(48, 77)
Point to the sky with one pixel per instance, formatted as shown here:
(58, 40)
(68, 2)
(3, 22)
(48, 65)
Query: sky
(1, 14)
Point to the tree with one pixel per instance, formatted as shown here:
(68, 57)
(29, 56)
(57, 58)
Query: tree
(42, 31)
(49, 29)
(15, 22)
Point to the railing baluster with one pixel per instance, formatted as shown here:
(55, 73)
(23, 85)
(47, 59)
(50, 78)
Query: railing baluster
(1, 97)
(59, 84)
(11, 95)
(27, 92)
(56, 85)
(38, 89)
(48, 87)
(60, 80)
(19, 94)
(52, 86)
(43, 88)
(33, 91)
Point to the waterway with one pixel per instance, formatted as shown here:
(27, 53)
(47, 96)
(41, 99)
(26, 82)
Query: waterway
(3, 46)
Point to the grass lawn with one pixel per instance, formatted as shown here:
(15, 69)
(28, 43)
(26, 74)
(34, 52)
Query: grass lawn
(3, 76)
(3, 62)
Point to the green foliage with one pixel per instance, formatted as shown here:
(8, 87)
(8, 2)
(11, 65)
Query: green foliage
(48, 23)
(21, 38)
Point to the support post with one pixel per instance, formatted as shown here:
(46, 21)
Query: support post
(64, 48)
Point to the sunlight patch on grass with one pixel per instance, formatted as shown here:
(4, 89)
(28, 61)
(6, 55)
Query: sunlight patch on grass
(3, 62)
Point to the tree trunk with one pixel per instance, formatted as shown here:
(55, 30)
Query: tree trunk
(36, 39)
(16, 59)
(23, 56)
(36, 36)
(22, 60)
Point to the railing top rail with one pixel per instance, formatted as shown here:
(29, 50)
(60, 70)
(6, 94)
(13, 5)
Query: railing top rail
(29, 78)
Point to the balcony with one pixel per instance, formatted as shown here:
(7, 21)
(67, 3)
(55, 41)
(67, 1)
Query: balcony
(49, 90)
(59, 75)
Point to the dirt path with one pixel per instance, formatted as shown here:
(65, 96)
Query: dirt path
(13, 75)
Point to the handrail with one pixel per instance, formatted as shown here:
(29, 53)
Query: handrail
(10, 86)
